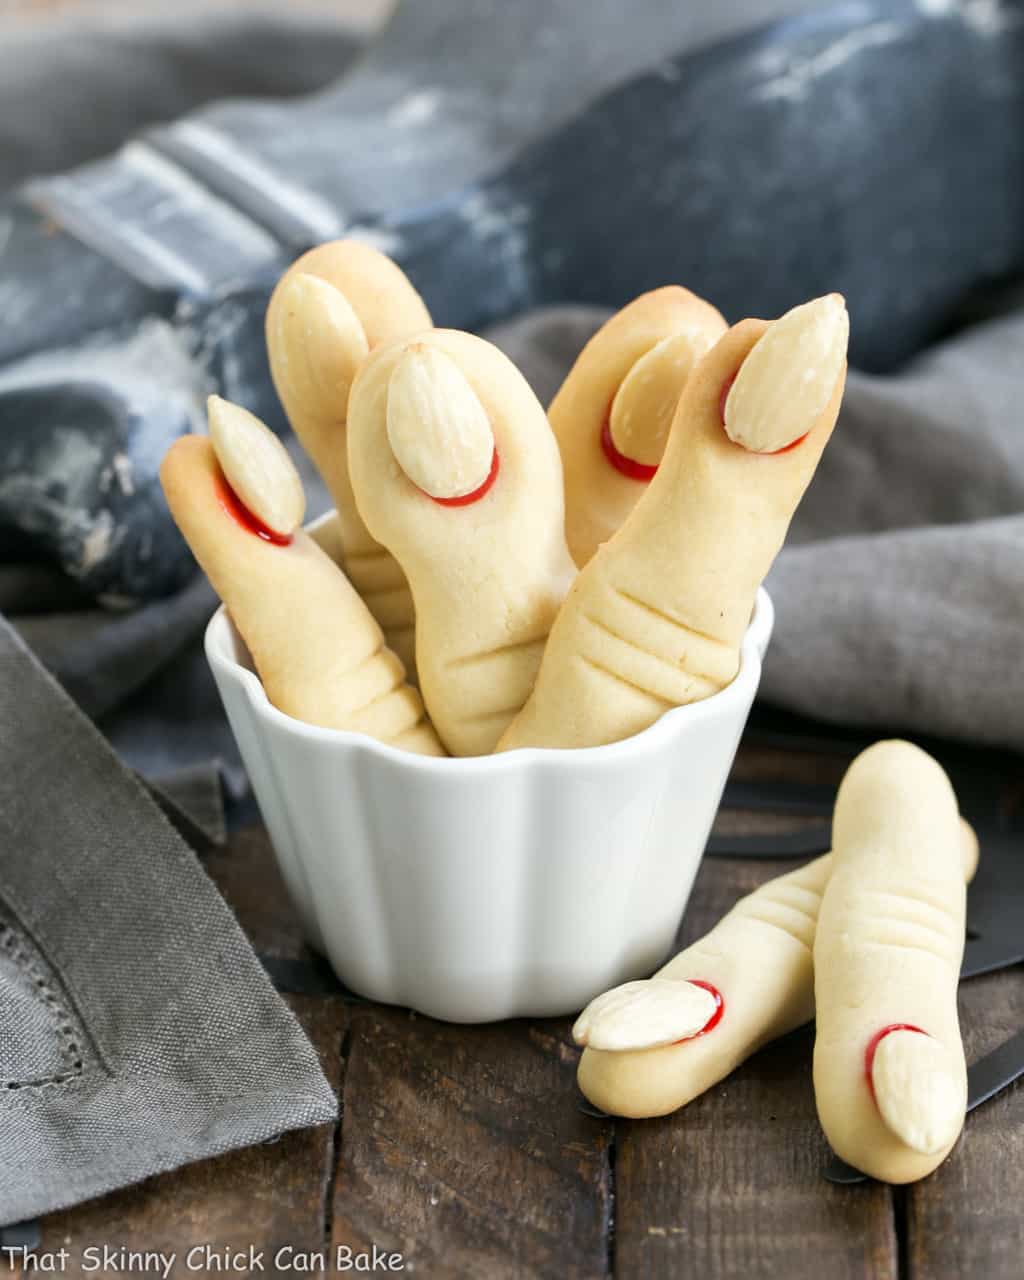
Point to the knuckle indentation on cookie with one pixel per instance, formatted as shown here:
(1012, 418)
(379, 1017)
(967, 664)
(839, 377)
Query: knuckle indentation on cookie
(256, 465)
(437, 427)
(788, 376)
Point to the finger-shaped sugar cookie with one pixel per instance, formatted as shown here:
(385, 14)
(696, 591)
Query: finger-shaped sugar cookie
(612, 414)
(649, 1046)
(318, 651)
(457, 473)
(889, 1074)
(330, 308)
(656, 618)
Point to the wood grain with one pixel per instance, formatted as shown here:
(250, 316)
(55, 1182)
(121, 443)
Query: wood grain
(966, 1219)
(462, 1148)
(731, 1185)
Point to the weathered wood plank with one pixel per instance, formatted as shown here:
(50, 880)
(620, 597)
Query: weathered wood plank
(731, 1185)
(966, 1219)
(463, 1150)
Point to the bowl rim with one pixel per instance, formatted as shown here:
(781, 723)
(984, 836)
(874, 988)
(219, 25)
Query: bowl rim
(221, 642)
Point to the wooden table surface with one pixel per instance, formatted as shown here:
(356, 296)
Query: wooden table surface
(464, 1150)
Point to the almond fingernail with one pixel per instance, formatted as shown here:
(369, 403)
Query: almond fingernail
(438, 430)
(256, 466)
(644, 1015)
(317, 344)
(645, 402)
(788, 377)
(917, 1096)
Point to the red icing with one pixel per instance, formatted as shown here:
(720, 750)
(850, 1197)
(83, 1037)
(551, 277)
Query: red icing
(715, 1018)
(773, 453)
(466, 499)
(241, 514)
(769, 453)
(628, 466)
(876, 1040)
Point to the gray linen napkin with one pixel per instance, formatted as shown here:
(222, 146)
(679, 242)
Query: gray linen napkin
(137, 1029)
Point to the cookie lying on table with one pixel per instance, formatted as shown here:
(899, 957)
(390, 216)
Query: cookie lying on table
(889, 1073)
(456, 471)
(329, 310)
(612, 414)
(238, 501)
(654, 1045)
(656, 618)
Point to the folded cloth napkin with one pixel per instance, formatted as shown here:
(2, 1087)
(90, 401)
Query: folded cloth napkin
(137, 1029)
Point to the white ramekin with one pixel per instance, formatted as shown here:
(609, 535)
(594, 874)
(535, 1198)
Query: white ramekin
(503, 886)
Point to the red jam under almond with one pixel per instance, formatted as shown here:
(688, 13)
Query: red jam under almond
(876, 1040)
(466, 499)
(627, 466)
(241, 514)
(769, 453)
(716, 1016)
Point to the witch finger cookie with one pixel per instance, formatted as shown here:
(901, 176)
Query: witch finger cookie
(319, 653)
(655, 620)
(457, 473)
(890, 1079)
(612, 414)
(330, 308)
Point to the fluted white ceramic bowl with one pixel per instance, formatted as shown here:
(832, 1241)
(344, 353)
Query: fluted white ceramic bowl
(510, 885)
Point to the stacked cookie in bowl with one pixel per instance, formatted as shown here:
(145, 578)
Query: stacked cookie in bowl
(525, 644)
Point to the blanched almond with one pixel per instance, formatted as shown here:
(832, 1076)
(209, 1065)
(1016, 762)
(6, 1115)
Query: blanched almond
(316, 346)
(918, 1098)
(643, 1015)
(438, 429)
(257, 466)
(789, 376)
(645, 402)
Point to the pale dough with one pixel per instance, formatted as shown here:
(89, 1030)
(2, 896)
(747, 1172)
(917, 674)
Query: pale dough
(487, 577)
(330, 308)
(758, 957)
(656, 618)
(318, 651)
(622, 356)
(888, 950)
